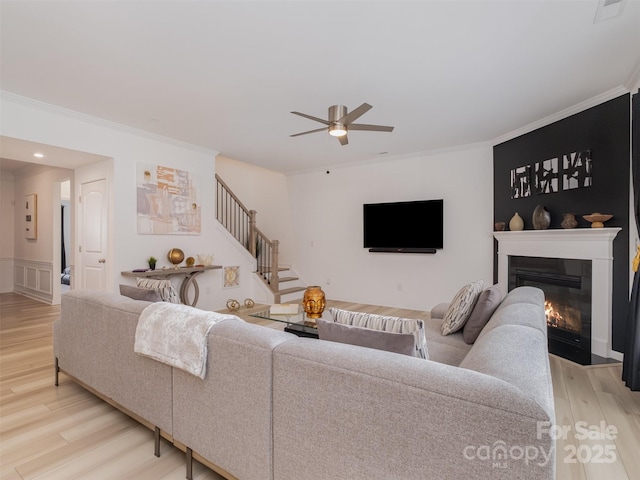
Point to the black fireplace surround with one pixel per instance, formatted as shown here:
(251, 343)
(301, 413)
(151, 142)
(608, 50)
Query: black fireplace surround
(566, 284)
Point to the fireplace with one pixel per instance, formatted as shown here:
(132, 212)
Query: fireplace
(594, 245)
(566, 284)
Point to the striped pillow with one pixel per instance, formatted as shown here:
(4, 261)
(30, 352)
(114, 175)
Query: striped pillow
(461, 307)
(385, 324)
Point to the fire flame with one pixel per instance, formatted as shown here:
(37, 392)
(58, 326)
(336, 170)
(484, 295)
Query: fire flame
(554, 318)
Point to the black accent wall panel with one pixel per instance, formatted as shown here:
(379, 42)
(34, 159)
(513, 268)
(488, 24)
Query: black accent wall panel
(605, 131)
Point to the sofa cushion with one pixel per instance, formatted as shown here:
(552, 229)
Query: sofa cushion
(403, 343)
(386, 324)
(488, 302)
(461, 307)
(448, 349)
(138, 293)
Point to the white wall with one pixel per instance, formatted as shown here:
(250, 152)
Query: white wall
(7, 214)
(264, 191)
(29, 120)
(37, 261)
(327, 214)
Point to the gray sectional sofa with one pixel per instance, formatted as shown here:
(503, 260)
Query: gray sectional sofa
(275, 406)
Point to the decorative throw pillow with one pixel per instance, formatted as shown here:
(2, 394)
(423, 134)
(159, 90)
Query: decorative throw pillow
(461, 307)
(403, 343)
(488, 302)
(140, 293)
(385, 324)
(163, 287)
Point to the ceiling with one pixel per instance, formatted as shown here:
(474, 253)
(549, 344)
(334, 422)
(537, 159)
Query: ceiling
(16, 154)
(225, 75)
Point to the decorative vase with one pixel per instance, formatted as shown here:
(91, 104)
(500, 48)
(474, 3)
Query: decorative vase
(569, 221)
(313, 302)
(597, 219)
(175, 256)
(499, 226)
(541, 218)
(516, 223)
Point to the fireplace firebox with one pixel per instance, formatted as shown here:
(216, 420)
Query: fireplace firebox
(566, 284)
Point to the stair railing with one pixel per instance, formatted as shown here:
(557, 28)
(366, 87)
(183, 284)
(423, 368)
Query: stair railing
(241, 223)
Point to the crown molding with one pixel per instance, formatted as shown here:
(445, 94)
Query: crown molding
(83, 117)
(562, 114)
(633, 82)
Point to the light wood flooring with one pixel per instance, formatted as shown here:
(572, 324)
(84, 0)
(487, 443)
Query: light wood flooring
(68, 433)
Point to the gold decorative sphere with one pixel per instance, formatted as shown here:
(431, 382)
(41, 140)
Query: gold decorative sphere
(175, 256)
(190, 261)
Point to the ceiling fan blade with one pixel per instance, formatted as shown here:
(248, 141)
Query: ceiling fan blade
(324, 129)
(343, 140)
(372, 128)
(355, 114)
(311, 118)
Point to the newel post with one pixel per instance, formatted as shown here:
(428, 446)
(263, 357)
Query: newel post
(274, 266)
(252, 232)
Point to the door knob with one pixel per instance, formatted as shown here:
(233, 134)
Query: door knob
(102, 260)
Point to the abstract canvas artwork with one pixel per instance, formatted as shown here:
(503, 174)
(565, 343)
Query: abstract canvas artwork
(576, 168)
(521, 182)
(545, 176)
(167, 201)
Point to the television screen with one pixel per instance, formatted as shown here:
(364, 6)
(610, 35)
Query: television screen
(404, 225)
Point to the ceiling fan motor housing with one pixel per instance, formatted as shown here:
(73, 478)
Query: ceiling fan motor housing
(336, 113)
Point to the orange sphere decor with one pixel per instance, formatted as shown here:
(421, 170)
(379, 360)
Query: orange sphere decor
(175, 256)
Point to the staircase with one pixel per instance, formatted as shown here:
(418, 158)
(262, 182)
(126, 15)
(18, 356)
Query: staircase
(241, 223)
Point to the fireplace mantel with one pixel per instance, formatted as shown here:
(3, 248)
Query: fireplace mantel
(595, 244)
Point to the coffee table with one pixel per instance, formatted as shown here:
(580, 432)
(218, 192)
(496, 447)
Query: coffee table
(298, 324)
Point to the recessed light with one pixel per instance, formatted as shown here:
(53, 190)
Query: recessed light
(38, 155)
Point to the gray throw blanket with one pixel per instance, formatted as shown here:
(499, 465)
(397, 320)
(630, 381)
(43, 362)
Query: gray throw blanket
(177, 335)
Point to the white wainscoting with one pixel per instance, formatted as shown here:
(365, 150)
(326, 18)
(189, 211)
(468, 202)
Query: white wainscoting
(33, 279)
(6, 275)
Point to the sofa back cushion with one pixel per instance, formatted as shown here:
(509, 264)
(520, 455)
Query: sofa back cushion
(522, 306)
(403, 343)
(385, 324)
(138, 293)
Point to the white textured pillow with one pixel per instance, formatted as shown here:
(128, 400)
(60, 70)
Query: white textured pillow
(461, 307)
(163, 287)
(385, 324)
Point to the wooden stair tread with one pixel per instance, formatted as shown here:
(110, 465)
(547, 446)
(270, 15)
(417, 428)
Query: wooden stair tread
(285, 291)
(287, 279)
(268, 269)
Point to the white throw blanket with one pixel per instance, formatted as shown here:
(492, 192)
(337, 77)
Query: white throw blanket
(177, 335)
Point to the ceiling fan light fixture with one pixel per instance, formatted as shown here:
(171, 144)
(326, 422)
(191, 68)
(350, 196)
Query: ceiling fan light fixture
(337, 130)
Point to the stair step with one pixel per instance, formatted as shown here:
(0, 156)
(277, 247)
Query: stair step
(286, 291)
(287, 279)
(280, 269)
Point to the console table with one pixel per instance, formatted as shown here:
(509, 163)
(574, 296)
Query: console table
(190, 274)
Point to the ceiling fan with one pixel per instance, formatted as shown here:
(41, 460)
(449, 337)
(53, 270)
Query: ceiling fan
(340, 121)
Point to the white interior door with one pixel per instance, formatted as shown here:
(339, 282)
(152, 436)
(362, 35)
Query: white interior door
(93, 247)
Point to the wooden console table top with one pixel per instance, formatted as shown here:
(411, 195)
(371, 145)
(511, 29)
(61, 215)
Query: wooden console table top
(189, 280)
(163, 272)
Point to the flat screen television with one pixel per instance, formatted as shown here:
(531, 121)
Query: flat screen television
(404, 227)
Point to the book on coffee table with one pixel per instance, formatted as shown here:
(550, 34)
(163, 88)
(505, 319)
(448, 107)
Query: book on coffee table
(284, 309)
